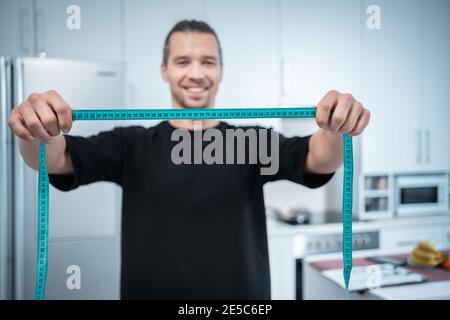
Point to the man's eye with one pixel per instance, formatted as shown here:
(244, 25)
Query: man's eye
(209, 63)
(182, 62)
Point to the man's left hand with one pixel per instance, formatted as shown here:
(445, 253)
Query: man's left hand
(341, 113)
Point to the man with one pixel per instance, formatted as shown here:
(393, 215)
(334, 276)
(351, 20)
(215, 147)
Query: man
(188, 231)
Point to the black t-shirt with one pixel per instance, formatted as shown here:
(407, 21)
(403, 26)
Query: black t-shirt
(189, 231)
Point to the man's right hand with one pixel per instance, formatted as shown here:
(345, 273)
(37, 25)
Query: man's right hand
(41, 117)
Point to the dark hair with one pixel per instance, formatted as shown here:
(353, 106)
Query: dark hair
(190, 26)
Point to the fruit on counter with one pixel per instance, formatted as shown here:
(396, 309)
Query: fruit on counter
(426, 255)
(446, 263)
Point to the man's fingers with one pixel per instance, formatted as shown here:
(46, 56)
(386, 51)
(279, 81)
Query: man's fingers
(16, 124)
(46, 115)
(325, 107)
(361, 124)
(40, 117)
(352, 118)
(341, 112)
(61, 109)
(33, 123)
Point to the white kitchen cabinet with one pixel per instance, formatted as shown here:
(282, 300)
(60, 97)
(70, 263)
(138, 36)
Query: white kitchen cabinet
(320, 43)
(408, 238)
(391, 89)
(436, 85)
(248, 31)
(282, 267)
(406, 79)
(16, 28)
(447, 237)
(99, 36)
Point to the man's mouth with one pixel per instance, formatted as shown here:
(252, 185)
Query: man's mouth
(196, 89)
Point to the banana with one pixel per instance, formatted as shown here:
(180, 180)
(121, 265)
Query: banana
(426, 246)
(425, 254)
(420, 260)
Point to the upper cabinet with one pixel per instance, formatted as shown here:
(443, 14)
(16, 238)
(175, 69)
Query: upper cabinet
(436, 85)
(16, 28)
(82, 29)
(406, 71)
(320, 43)
(392, 88)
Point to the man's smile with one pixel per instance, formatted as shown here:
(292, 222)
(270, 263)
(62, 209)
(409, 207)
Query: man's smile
(196, 89)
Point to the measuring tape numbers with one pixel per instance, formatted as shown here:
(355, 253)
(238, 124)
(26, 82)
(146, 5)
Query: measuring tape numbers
(187, 114)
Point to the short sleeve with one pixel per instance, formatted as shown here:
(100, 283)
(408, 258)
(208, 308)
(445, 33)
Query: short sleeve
(96, 158)
(292, 159)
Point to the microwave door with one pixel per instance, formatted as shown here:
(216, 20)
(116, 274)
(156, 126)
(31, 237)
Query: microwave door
(421, 195)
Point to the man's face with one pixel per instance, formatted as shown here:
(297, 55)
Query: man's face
(193, 69)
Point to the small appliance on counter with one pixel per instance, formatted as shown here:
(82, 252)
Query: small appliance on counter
(301, 216)
(404, 195)
(421, 195)
(291, 216)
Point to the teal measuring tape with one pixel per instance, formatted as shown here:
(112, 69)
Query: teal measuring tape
(196, 114)
(42, 248)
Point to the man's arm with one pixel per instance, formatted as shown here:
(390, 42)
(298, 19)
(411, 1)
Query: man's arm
(336, 114)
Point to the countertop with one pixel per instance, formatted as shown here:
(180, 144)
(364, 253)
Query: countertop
(436, 287)
(278, 228)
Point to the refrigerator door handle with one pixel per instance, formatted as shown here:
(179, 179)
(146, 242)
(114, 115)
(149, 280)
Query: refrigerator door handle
(3, 124)
(19, 187)
(3, 181)
(6, 182)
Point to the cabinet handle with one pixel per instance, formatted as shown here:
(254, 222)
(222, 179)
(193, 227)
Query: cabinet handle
(419, 146)
(284, 78)
(24, 20)
(40, 39)
(427, 141)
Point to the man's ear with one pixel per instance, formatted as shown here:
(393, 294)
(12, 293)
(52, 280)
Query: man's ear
(164, 72)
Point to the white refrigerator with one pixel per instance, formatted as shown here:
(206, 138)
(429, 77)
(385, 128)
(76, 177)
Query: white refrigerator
(84, 224)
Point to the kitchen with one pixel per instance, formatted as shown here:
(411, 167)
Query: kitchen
(396, 61)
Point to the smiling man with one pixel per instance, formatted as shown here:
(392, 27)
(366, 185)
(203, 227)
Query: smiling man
(192, 65)
(188, 231)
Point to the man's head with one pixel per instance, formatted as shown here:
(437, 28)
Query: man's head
(192, 64)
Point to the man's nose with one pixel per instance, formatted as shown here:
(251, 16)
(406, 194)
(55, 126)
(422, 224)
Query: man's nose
(196, 71)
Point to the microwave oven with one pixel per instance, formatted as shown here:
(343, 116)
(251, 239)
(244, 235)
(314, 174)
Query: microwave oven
(421, 195)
